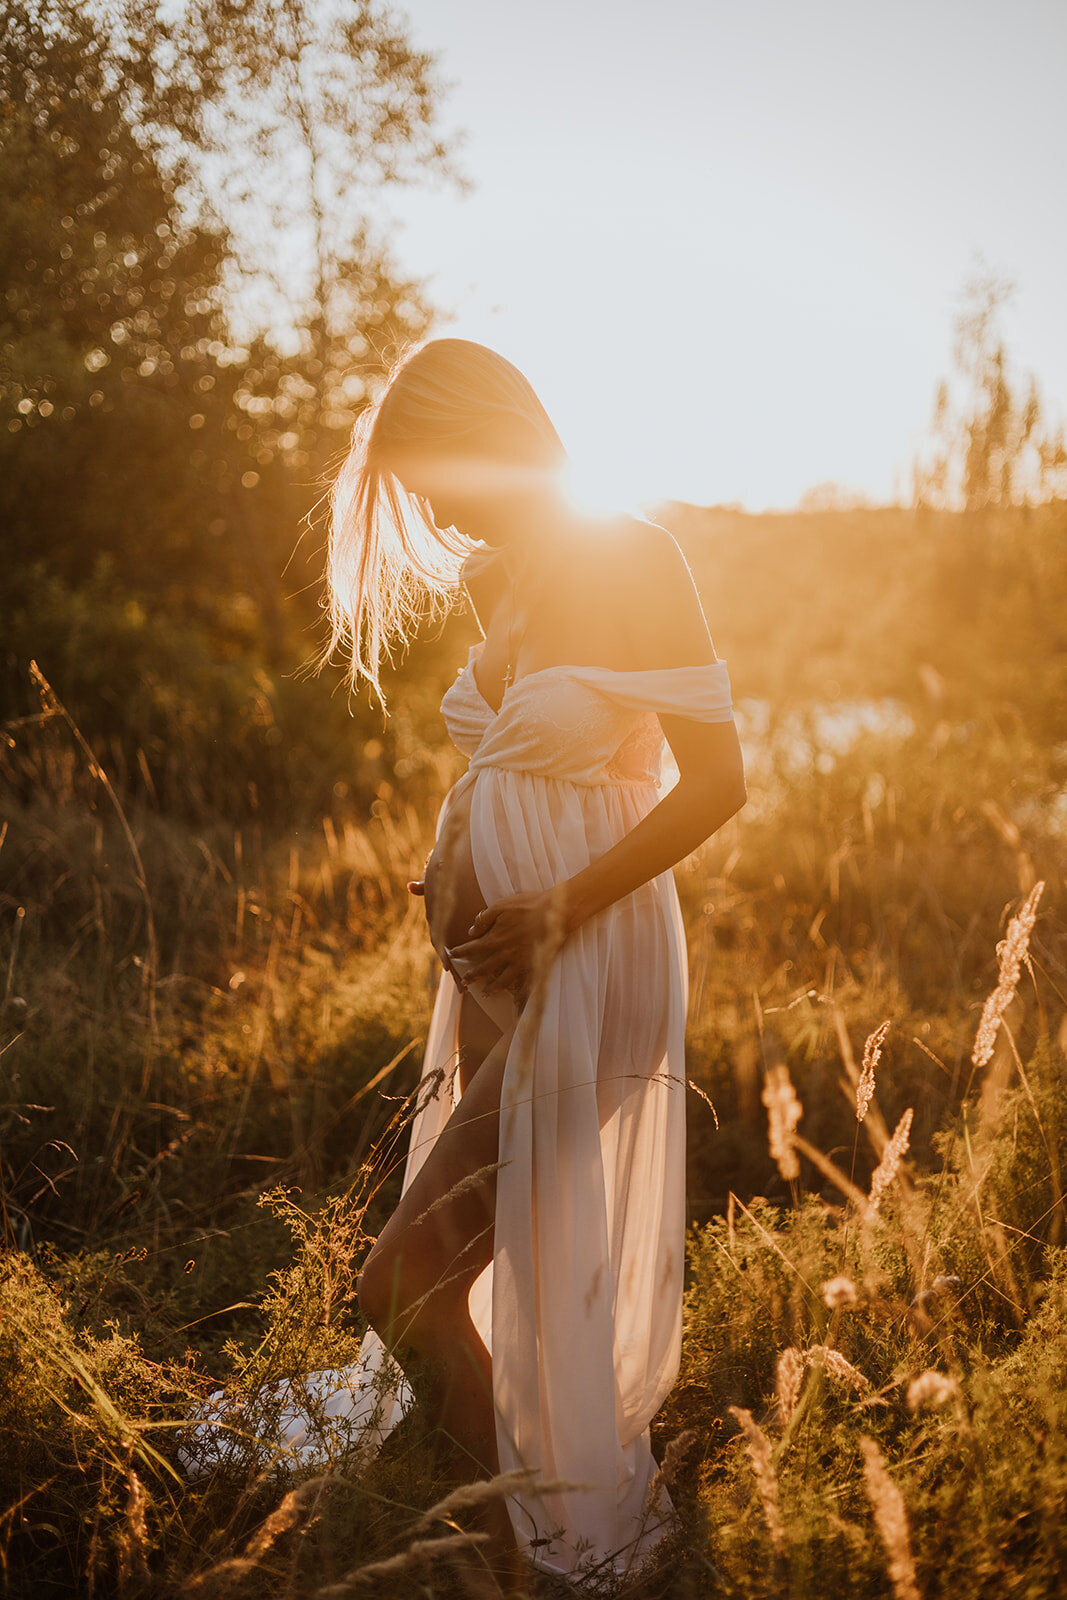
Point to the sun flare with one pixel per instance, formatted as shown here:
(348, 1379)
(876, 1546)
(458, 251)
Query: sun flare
(592, 487)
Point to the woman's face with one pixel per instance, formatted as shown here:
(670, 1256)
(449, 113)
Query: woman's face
(447, 481)
(469, 486)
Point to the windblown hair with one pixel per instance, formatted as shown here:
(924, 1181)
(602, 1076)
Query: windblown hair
(387, 563)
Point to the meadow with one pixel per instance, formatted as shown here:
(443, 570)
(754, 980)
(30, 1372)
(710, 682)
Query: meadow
(216, 987)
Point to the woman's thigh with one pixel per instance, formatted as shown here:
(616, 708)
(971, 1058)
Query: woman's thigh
(440, 1236)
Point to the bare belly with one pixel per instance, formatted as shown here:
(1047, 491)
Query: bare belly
(452, 900)
(452, 896)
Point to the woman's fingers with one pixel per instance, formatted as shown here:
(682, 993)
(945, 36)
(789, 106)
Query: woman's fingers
(479, 948)
(484, 920)
(503, 945)
(510, 968)
(483, 970)
(492, 970)
(506, 982)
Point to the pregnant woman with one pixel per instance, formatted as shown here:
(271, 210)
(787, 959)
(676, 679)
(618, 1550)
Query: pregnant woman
(529, 1282)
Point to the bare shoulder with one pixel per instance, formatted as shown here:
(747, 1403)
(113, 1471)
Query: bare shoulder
(638, 551)
(652, 585)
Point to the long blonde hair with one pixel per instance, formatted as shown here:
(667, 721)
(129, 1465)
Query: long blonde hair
(387, 563)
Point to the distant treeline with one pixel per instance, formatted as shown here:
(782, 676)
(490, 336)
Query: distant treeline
(949, 608)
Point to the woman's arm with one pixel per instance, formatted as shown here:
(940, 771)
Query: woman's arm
(510, 936)
(710, 789)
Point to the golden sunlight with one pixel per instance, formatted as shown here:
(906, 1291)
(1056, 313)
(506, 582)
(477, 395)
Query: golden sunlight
(534, 585)
(594, 486)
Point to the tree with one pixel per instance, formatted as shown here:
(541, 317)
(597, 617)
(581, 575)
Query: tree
(831, 496)
(990, 448)
(280, 122)
(135, 418)
(112, 337)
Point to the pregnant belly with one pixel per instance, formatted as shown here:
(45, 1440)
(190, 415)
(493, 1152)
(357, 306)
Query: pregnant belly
(452, 896)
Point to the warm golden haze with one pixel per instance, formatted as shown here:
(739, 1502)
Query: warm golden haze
(290, 990)
(216, 971)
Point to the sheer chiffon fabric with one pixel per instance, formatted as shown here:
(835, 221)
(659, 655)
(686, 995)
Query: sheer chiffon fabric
(581, 1306)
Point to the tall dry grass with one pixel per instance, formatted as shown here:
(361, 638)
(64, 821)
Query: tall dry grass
(209, 1045)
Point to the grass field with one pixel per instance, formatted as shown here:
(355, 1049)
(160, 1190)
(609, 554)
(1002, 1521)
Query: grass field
(213, 1007)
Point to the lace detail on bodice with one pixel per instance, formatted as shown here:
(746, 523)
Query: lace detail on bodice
(587, 725)
(640, 756)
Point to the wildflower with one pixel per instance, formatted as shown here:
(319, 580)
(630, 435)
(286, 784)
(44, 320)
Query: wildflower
(931, 1388)
(784, 1111)
(891, 1516)
(789, 1378)
(824, 1356)
(839, 1292)
(1011, 953)
(887, 1168)
(758, 1448)
(872, 1051)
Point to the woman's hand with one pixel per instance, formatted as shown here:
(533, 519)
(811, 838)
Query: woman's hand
(512, 943)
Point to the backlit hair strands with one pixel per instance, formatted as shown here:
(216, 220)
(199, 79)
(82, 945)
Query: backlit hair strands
(387, 564)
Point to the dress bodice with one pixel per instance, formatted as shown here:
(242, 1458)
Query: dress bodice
(589, 725)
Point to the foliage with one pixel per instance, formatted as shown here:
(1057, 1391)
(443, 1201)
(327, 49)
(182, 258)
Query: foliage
(957, 617)
(974, 1446)
(214, 986)
(301, 113)
(185, 713)
(117, 335)
(991, 448)
(158, 1118)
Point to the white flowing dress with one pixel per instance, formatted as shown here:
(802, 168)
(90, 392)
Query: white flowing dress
(581, 1306)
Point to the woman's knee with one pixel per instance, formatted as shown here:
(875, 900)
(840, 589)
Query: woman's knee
(410, 1300)
(377, 1290)
(394, 1289)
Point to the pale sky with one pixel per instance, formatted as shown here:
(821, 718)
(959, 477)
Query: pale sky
(724, 240)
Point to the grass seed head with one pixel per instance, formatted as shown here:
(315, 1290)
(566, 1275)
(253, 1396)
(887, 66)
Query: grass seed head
(133, 1535)
(1011, 953)
(761, 1455)
(784, 1111)
(823, 1355)
(790, 1375)
(416, 1554)
(889, 1166)
(670, 1470)
(478, 1493)
(891, 1517)
(872, 1051)
(838, 1292)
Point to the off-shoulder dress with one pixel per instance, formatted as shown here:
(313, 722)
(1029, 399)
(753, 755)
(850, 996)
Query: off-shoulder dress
(581, 1306)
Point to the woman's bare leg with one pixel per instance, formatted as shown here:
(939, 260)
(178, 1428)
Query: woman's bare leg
(415, 1283)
